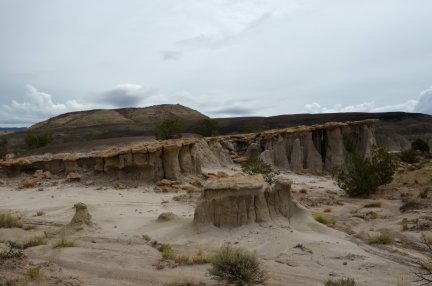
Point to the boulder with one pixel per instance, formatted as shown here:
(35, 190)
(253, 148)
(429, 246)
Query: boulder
(29, 183)
(82, 216)
(73, 177)
(239, 200)
(168, 216)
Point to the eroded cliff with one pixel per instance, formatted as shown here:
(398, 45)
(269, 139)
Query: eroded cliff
(298, 148)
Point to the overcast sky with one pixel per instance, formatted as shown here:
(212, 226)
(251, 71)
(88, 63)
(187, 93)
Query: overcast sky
(223, 58)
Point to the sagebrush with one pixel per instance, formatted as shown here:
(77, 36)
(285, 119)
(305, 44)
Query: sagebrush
(237, 266)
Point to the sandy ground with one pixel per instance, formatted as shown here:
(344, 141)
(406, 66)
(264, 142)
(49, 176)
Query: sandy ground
(114, 252)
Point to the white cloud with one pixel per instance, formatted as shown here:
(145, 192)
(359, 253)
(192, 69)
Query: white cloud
(425, 102)
(37, 106)
(421, 105)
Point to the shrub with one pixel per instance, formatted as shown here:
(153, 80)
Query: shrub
(34, 272)
(64, 242)
(12, 253)
(207, 127)
(198, 258)
(9, 221)
(349, 141)
(251, 128)
(323, 219)
(37, 141)
(340, 282)
(373, 204)
(236, 266)
(420, 145)
(168, 129)
(255, 165)
(3, 147)
(362, 176)
(408, 156)
(424, 275)
(424, 194)
(383, 238)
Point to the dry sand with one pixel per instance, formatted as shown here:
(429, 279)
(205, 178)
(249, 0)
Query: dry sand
(114, 251)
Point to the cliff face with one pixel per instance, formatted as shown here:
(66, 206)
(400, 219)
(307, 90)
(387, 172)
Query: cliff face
(311, 147)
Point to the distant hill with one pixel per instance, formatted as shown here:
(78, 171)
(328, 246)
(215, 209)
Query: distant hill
(125, 116)
(11, 128)
(70, 131)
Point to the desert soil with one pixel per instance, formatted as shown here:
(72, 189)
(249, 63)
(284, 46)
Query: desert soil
(116, 251)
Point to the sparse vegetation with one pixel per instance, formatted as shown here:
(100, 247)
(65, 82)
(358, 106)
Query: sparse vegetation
(408, 156)
(251, 128)
(64, 242)
(349, 141)
(185, 282)
(146, 237)
(405, 226)
(424, 193)
(34, 272)
(207, 127)
(3, 148)
(383, 238)
(12, 253)
(168, 129)
(328, 210)
(237, 266)
(373, 204)
(255, 165)
(37, 141)
(35, 242)
(323, 219)
(40, 213)
(340, 282)
(424, 275)
(9, 221)
(420, 145)
(168, 253)
(362, 176)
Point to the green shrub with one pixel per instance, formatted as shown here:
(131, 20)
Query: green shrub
(207, 127)
(408, 156)
(340, 282)
(255, 165)
(251, 128)
(383, 238)
(37, 141)
(168, 129)
(420, 145)
(9, 221)
(362, 176)
(237, 266)
(3, 148)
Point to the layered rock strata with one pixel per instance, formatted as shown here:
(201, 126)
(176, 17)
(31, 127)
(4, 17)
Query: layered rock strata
(298, 148)
(240, 200)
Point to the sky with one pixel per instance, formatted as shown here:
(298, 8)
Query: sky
(221, 57)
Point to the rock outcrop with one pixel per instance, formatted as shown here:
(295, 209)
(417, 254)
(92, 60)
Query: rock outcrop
(239, 200)
(298, 148)
(81, 217)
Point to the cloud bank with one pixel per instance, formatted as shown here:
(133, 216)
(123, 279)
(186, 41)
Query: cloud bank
(421, 105)
(37, 106)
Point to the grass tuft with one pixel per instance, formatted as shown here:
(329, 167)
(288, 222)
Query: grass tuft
(34, 272)
(383, 238)
(198, 258)
(9, 221)
(373, 204)
(323, 219)
(340, 282)
(64, 242)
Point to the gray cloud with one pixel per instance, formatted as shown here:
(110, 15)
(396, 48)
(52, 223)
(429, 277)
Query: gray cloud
(127, 95)
(233, 111)
(171, 55)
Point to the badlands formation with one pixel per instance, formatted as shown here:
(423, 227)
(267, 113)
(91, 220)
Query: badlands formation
(117, 206)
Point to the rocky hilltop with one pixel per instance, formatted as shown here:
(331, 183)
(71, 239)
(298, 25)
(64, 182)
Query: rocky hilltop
(128, 116)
